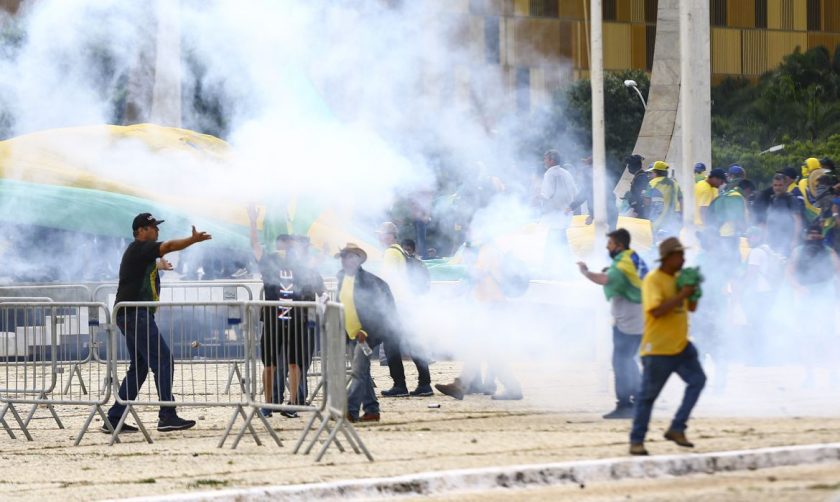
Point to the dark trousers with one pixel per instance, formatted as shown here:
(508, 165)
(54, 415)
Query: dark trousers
(656, 370)
(361, 393)
(397, 370)
(420, 238)
(146, 350)
(625, 368)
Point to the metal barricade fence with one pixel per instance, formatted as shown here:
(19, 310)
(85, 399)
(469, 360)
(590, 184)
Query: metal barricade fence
(56, 292)
(286, 339)
(39, 342)
(193, 348)
(296, 333)
(334, 405)
(203, 348)
(190, 291)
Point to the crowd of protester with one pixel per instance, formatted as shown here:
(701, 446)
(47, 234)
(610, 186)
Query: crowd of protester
(753, 246)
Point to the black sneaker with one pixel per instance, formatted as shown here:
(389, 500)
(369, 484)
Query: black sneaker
(125, 428)
(423, 391)
(288, 413)
(175, 423)
(395, 392)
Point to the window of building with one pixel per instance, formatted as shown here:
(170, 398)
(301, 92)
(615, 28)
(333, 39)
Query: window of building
(651, 10)
(492, 47)
(610, 10)
(814, 15)
(717, 12)
(761, 13)
(544, 8)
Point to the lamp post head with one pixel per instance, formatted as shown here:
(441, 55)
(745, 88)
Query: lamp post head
(630, 83)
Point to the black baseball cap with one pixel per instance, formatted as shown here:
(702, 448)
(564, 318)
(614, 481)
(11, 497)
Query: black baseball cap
(634, 160)
(790, 172)
(145, 220)
(717, 173)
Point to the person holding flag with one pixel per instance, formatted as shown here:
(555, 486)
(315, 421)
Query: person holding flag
(622, 283)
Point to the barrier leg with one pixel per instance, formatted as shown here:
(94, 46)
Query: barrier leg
(324, 421)
(118, 428)
(247, 426)
(23, 429)
(5, 424)
(306, 429)
(75, 371)
(270, 430)
(129, 410)
(330, 439)
(348, 429)
(140, 424)
(49, 406)
(229, 427)
(88, 421)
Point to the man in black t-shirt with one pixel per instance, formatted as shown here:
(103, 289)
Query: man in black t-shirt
(147, 349)
(287, 340)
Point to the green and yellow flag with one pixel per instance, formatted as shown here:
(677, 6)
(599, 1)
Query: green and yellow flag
(624, 277)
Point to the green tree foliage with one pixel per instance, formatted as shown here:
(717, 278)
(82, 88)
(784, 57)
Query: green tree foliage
(622, 108)
(797, 105)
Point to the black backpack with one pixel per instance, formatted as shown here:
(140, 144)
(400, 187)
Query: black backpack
(418, 275)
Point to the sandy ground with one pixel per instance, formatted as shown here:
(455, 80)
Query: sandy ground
(559, 420)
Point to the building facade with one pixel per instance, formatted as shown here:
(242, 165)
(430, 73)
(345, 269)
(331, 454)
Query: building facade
(541, 43)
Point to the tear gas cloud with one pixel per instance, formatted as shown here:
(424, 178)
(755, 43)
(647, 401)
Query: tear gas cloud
(343, 104)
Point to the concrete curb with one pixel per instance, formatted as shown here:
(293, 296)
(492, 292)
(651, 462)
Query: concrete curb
(528, 476)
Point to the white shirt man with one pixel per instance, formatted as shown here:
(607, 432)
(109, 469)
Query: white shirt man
(558, 190)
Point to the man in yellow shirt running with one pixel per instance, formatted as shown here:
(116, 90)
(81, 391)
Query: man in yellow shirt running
(665, 347)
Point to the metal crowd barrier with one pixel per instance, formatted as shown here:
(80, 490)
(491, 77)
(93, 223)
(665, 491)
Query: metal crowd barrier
(299, 332)
(334, 407)
(39, 341)
(285, 342)
(190, 291)
(75, 353)
(56, 292)
(207, 340)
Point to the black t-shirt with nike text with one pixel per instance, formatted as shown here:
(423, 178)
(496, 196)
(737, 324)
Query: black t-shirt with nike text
(139, 278)
(288, 280)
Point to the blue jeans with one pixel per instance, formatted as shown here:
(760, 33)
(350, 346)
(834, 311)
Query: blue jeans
(656, 370)
(625, 367)
(146, 349)
(361, 393)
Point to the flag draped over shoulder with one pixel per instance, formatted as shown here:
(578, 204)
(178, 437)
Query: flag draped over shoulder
(624, 277)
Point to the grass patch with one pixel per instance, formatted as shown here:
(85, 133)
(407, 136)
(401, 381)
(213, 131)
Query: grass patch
(823, 486)
(147, 481)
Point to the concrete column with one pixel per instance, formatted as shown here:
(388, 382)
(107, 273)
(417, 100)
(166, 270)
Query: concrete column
(695, 103)
(596, 66)
(166, 92)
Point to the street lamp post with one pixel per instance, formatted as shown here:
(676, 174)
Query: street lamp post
(633, 85)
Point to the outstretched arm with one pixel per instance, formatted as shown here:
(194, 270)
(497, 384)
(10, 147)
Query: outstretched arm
(179, 244)
(597, 278)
